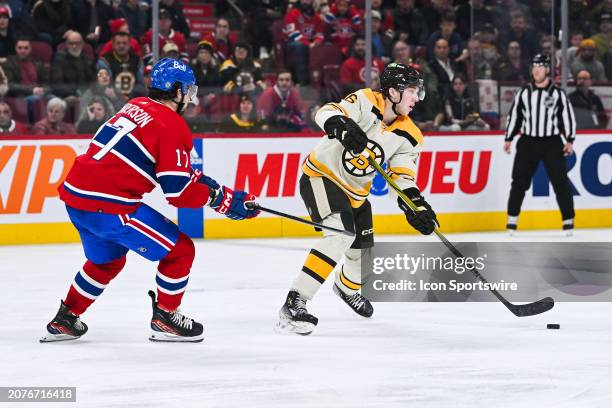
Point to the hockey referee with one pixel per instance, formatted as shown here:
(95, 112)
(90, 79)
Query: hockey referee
(543, 115)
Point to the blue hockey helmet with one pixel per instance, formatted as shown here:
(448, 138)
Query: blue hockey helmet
(167, 72)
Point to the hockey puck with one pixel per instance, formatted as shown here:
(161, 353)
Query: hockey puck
(553, 326)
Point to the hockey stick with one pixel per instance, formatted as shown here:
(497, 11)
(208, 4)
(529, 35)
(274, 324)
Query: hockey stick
(528, 309)
(255, 206)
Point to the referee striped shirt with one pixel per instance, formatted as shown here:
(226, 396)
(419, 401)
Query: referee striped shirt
(541, 112)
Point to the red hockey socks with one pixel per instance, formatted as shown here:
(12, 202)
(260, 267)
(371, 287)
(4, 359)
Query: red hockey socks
(89, 283)
(173, 273)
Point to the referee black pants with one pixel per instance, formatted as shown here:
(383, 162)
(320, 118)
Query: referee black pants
(529, 152)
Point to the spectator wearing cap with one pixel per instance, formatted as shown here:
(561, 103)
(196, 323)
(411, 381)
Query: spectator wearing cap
(381, 40)
(72, 70)
(588, 107)
(8, 126)
(352, 71)
(410, 25)
(604, 37)
(54, 123)
(243, 121)
(7, 35)
(120, 25)
(205, 69)
(179, 22)
(53, 19)
(303, 30)
(446, 31)
(220, 40)
(123, 64)
(166, 35)
(102, 88)
(91, 21)
(513, 68)
(472, 15)
(282, 106)
(240, 74)
(585, 60)
(170, 50)
(343, 21)
(26, 75)
(93, 117)
(134, 15)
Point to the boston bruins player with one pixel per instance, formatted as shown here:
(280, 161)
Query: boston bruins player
(336, 182)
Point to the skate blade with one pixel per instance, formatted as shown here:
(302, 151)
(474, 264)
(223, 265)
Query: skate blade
(287, 326)
(50, 338)
(162, 337)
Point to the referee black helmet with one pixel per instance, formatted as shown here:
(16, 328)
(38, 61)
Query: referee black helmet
(541, 59)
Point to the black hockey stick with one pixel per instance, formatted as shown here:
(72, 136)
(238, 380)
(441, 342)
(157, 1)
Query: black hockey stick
(528, 309)
(253, 206)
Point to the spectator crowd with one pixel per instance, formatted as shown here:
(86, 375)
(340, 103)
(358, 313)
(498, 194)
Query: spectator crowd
(66, 66)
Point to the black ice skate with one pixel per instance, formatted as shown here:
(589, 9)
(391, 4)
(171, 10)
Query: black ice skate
(64, 326)
(293, 316)
(173, 326)
(358, 303)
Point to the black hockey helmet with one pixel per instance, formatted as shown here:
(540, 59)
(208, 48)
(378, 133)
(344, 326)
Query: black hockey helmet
(541, 59)
(400, 77)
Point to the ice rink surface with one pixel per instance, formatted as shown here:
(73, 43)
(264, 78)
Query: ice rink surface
(407, 355)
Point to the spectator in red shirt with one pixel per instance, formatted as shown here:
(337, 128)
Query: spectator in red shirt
(282, 106)
(220, 40)
(120, 25)
(343, 22)
(7, 125)
(303, 30)
(54, 123)
(352, 71)
(166, 34)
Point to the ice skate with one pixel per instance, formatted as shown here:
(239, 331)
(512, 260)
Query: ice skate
(173, 326)
(64, 326)
(293, 316)
(358, 303)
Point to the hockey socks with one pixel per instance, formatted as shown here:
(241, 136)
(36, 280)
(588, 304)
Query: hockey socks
(173, 273)
(90, 282)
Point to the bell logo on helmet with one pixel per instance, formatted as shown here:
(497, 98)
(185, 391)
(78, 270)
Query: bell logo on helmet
(180, 65)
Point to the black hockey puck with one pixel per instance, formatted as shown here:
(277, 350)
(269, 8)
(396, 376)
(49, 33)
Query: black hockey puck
(553, 326)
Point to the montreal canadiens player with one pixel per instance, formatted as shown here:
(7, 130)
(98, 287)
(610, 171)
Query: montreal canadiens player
(336, 182)
(145, 144)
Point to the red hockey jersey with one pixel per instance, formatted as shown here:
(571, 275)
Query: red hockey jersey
(302, 27)
(143, 145)
(343, 28)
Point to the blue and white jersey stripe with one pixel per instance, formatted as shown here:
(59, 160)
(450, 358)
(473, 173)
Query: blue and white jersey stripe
(95, 195)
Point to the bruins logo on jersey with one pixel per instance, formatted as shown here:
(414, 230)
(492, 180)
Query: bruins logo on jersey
(358, 166)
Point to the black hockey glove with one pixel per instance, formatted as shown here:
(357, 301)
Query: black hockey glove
(425, 220)
(347, 132)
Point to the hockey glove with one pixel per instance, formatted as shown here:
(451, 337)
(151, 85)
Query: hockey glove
(228, 202)
(424, 220)
(347, 132)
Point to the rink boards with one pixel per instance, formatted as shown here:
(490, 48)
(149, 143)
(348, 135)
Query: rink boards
(465, 177)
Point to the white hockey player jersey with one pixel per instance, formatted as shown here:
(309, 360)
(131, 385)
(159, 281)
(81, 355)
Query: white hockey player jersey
(398, 144)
